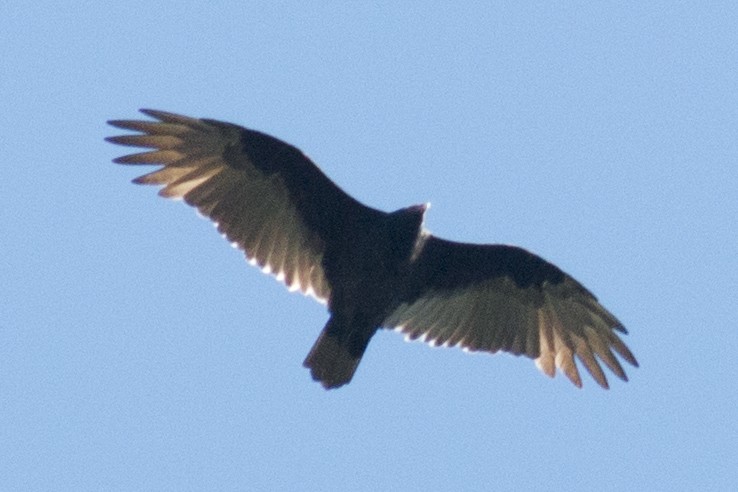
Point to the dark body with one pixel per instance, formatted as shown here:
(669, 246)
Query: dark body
(373, 269)
(370, 277)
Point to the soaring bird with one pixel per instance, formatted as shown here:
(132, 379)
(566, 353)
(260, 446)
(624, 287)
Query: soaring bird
(373, 269)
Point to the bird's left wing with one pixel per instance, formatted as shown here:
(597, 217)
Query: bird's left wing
(502, 298)
(265, 195)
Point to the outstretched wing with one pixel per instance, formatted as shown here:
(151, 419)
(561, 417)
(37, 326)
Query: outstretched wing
(502, 298)
(264, 195)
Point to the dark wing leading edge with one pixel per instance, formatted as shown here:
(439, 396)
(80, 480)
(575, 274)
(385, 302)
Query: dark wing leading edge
(265, 195)
(502, 298)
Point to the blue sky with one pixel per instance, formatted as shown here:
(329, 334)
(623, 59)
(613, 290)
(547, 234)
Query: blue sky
(138, 351)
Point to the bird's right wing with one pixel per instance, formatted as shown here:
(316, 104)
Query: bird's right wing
(502, 298)
(265, 195)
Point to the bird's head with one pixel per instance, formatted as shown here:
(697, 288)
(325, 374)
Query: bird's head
(406, 227)
(414, 215)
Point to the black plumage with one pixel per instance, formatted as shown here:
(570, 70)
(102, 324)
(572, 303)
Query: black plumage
(373, 269)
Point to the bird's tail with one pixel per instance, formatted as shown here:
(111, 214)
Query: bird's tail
(335, 355)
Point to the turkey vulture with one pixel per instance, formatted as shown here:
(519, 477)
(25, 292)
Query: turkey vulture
(373, 269)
